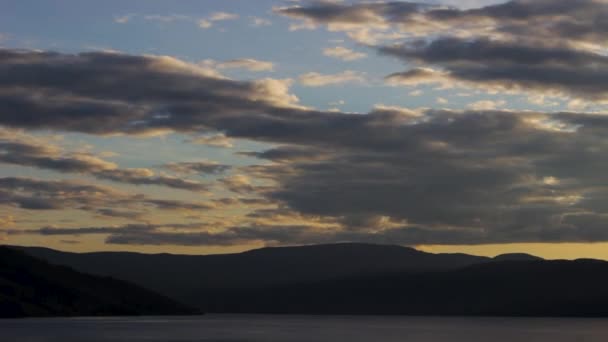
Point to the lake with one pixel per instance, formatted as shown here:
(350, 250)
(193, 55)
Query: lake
(263, 328)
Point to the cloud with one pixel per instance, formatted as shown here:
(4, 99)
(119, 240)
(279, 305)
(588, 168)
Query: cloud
(147, 177)
(199, 234)
(554, 20)
(343, 53)
(201, 167)
(126, 214)
(394, 174)
(457, 177)
(6, 223)
(123, 19)
(155, 92)
(288, 154)
(418, 76)
(221, 16)
(486, 105)
(497, 65)
(239, 184)
(166, 18)
(315, 79)
(37, 194)
(232, 236)
(247, 63)
(364, 22)
(196, 234)
(204, 23)
(339, 15)
(547, 46)
(259, 22)
(216, 140)
(25, 150)
(54, 231)
(207, 22)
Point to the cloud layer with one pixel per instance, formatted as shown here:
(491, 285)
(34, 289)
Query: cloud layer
(552, 47)
(398, 175)
(24, 150)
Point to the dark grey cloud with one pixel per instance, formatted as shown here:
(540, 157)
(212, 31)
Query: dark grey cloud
(485, 51)
(37, 194)
(200, 167)
(239, 184)
(575, 20)
(146, 177)
(70, 242)
(38, 155)
(128, 214)
(231, 236)
(507, 65)
(460, 177)
(178, 205)
(176, 96)
(327, 12)
(287, 154)
(174, 234)
(199, 234)
(552, 46)
(140, 94)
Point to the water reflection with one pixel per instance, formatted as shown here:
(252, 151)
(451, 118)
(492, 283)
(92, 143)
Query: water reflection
(260, 328)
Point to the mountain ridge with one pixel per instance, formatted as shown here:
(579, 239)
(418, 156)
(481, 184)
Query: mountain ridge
(191, 278)
(360, 279)
(30, 286)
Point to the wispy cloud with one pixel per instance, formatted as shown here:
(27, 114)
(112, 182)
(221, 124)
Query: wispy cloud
(343, 53)
(123, 19)
(207, 22)
(244, 63)
(202, 22)
(259, 22)
(315, 79)
(21, 149)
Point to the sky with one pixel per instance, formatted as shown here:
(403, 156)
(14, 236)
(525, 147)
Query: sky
(202, 126)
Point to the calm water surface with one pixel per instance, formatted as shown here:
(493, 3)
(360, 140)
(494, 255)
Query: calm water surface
(259, 328)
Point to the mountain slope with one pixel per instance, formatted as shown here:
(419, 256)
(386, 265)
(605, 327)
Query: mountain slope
(192, 279)
(361, 279)
(510, 288)
(32, 287)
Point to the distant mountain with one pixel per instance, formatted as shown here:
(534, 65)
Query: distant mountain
(33, 287)
(194, 279)
(510, 288)
(516, 257)
(359, 279)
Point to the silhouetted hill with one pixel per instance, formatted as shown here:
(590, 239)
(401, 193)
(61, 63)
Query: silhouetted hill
(511, 288)
(32, 287)
(360, 279)
(516, 257)
(192, 279)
